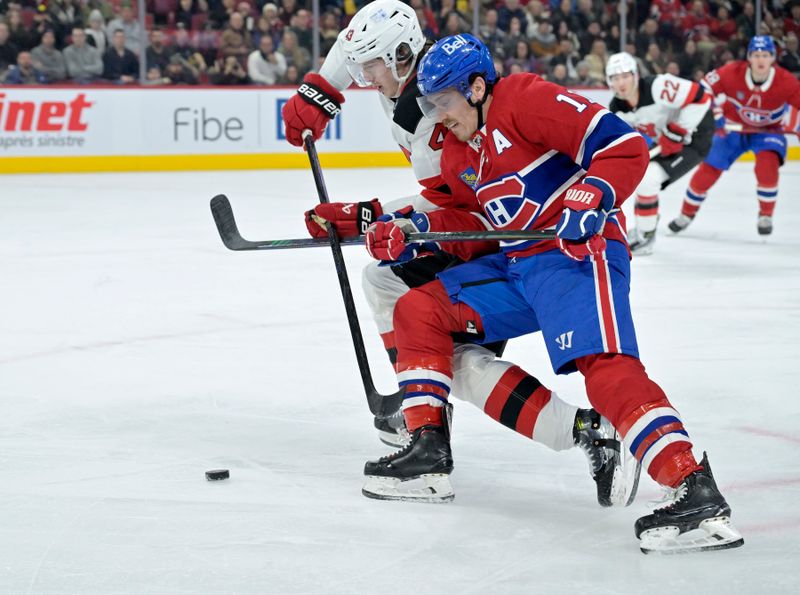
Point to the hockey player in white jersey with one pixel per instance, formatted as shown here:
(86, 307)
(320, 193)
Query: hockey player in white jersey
(381, 48)
(673, 113)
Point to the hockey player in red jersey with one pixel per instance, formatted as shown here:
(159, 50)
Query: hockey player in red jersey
(546, 159)
(754, 95)
(673, 114)
(381, 48)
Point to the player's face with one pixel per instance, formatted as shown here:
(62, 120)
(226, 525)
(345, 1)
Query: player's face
(623, 84)
(450, 108)
(375, 74)
(760, 63)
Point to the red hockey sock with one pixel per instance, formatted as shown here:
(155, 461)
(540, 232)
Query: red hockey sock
(646, 211)
(390, 345)
(422, 415)
(702, 180)
(516, 401)
(767, 164)
(619, 389)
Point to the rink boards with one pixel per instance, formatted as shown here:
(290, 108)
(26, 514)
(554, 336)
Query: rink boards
(97, 129)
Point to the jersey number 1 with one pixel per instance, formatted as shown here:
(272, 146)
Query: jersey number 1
(574, 103)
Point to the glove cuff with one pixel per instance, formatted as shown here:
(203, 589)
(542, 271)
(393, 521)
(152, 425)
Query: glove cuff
(609, 198)
(318, 92)
(674, 132)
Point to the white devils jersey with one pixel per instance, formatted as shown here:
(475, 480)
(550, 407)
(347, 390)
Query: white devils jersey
(664, 99)
(420, 138)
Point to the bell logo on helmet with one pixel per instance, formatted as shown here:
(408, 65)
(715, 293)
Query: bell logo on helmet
(451, 47)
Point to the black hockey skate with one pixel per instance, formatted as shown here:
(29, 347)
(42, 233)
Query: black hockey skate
(613, 467)
(697, 520)
(418, 472)
(392, 429)
(680, 223)
(764, 225)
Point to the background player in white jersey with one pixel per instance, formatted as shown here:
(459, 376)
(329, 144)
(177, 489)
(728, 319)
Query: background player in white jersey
(669, 111)
(380, 48)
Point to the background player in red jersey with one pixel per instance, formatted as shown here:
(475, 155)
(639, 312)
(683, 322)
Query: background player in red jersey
(380, 48)
(546, 158)
(754, 95)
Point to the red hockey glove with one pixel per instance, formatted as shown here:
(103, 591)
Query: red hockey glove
(671, 139)
(314, 105)
(386, 239)
(581, 250)
(347, 218)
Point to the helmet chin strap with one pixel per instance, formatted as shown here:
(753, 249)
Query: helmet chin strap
(478, 105)
(402, 79)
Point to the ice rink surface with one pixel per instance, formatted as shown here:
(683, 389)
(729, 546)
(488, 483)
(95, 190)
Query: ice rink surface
(136, 352)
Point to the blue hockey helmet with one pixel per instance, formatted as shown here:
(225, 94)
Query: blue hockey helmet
(761, 43)
(453, 64)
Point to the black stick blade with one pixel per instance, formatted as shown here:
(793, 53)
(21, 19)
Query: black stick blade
(226, 224)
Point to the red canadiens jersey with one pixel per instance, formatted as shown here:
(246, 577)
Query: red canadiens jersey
(747, 103)
(539, 139)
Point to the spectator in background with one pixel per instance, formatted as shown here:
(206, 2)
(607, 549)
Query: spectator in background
(191, 58)
(584, 78)
(287, 10)
(746, 21)
(499, 67)
(220, 11)
(508, 11)
(157, 54)
(106, 10)
(301, 25)
(96, 35)
(48, 60)
(8, 51)
(447, 8)
(654, 60)
(294, 54)
(648, 35)
(492, 35)
(292, 77)
(244, 9)
(565, 14)
(596, 60)
(328, 32)
(522, 56)
(790, 59)
(178, 72)
(270, 13)
(65, 16)
(227, 71)
(427, 19)
(453, 25)
(791, 23)
(688, 60)
(186, 10)
(513, 35)
(534, 12)
(129, 25)
(265, 66)
(568, 56)
(24, 73)
(562, 32)
(586, 14)
(119, 63)
(587, 38)
(559, 76)
(723, 27)
(673, 69)
(544, 44)
(18, 33)
(235, 40)
(84, 63)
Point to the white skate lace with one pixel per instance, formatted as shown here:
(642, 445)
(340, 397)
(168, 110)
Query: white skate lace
(671, 497)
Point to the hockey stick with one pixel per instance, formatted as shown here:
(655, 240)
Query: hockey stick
(380, 405)
(229, 232)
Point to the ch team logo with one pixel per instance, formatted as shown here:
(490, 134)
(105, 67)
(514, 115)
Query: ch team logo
(754, 116)
(506, 205)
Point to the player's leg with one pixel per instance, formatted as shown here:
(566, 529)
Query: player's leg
(770, 150)
(605, 351)
(724, 151)
(514, 398)
(642, 237)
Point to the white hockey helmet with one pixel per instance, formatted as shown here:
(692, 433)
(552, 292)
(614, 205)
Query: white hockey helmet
(386, 29)
(619, 64)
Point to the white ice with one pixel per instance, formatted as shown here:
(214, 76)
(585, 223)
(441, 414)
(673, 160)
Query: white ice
(136, 353)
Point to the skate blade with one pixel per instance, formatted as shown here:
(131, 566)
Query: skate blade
(716, 533)
(432, 487)
(626, 478)
(395, 440)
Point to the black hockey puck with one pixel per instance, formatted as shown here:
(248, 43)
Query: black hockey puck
(217, 474)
